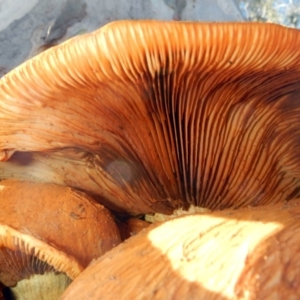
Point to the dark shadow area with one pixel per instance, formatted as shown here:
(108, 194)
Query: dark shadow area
(7, 294)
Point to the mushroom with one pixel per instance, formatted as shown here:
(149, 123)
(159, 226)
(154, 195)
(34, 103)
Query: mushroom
(160, 115)
(48, 235)
(1, 292)
(250, 253)
(130, 227)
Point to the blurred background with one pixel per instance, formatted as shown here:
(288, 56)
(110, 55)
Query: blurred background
(31, 26)
(285, 12)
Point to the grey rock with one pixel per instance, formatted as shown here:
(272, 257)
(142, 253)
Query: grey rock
(31, 26)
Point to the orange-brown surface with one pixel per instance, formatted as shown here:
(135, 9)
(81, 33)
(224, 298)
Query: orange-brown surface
(155, 115)
(58, 225)
(244, 254)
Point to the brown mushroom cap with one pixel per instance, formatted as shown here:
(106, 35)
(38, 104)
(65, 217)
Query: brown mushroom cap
(163, 114)
(242, 254)
(48, 227)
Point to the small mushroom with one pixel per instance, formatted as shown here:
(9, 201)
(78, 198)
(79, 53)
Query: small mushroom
(161, 115)
(131, 227)
(48, 235)
(242, 254)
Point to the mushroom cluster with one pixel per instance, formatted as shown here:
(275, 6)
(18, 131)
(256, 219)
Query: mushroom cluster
(148, 117)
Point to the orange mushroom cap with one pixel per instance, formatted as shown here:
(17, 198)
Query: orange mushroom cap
(45, 226)
(159, 115)
(242, 254)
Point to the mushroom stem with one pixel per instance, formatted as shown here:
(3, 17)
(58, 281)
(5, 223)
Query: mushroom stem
(48, 286)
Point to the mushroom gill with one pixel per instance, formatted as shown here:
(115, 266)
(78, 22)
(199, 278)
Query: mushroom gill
(163, 114)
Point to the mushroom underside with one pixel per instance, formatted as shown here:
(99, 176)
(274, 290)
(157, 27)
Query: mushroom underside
(161, 125)
(32, 269)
